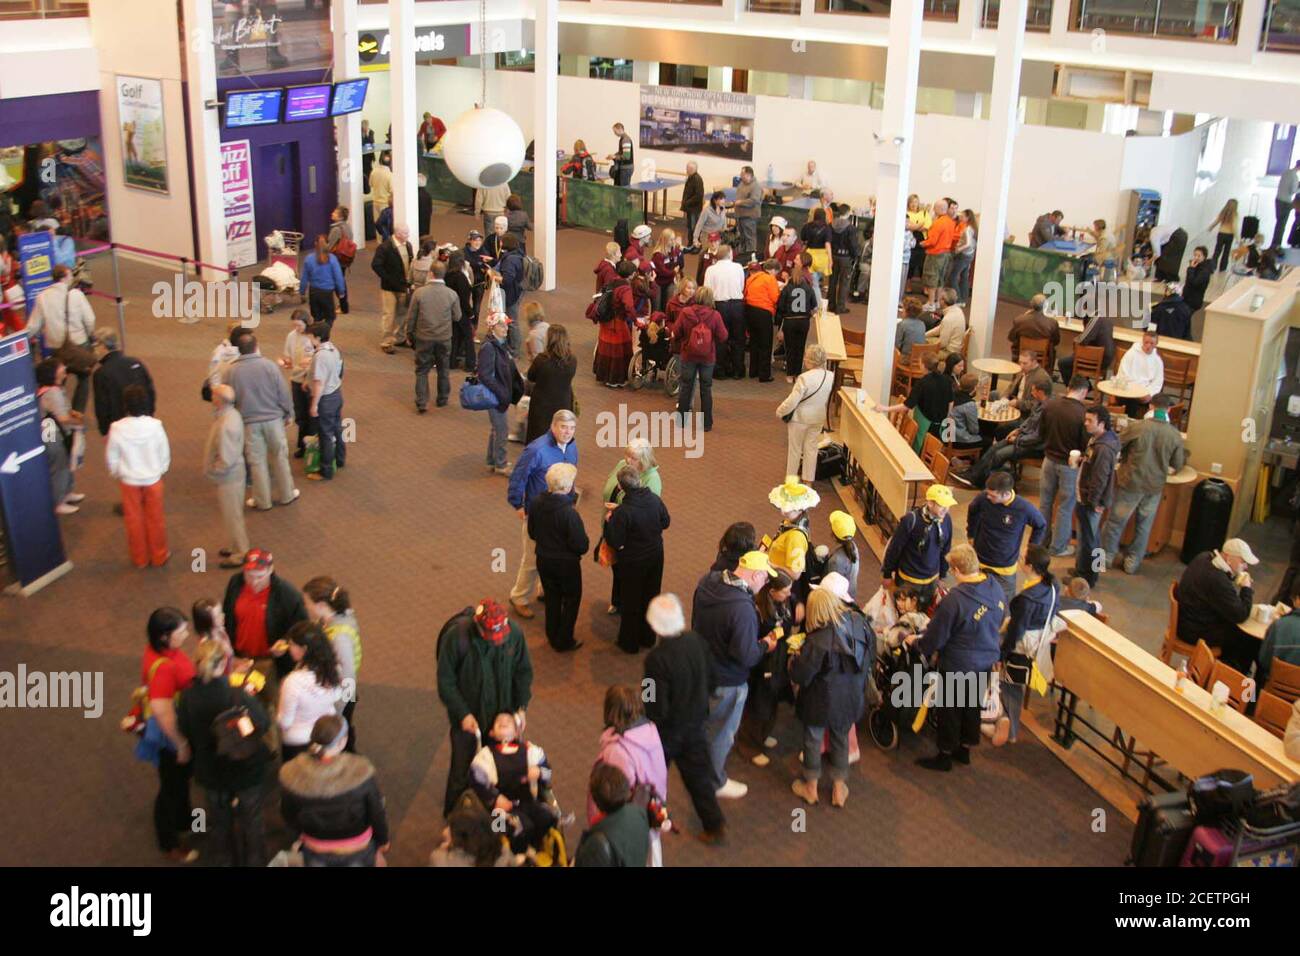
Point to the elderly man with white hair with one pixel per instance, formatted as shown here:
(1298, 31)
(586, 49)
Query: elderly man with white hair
(223, 463)
(560, 541)
(676, 693)
(528, 480)
(392, 263)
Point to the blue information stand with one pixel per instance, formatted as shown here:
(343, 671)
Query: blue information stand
(32, 538)
(36, 259)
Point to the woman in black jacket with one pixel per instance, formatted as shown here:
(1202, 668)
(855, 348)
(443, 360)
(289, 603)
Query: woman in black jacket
(635, 531)
(550, 379)
(831, 671)
(794, 311)
(496, 370)
(1029, 612)
(460, 280)
(332, 798)
(561, 541)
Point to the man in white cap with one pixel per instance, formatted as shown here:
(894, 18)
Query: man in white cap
(1216, 595)
(917, 554)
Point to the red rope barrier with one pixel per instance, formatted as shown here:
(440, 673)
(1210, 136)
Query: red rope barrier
(175, 258)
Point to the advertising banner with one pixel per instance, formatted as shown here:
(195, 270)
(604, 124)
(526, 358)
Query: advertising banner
(36, 260)
(237, 200)
(445, 41)
(684, 120)
(32, 537)
(144, 143)
(271, 36)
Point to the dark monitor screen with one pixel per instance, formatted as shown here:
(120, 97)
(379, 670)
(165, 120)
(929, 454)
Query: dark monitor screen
(349, 96)
(253, 107)
(304, 103)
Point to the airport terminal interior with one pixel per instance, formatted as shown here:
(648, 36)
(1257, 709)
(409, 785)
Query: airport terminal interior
(650, 432)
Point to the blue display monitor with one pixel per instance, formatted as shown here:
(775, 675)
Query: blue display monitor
(302, 103)
(253, 107)
(349, 96)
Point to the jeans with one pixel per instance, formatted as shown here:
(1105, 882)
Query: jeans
(1008, 582)
(429, 354)
(692, 217)
(236, 835)
(329, 421)
(364, 857)
(690, 750)
(462, 344)
(1126, 502)
(384, 223)
(171, 808)
(959, 276)
(758, 323)
(267, 454)
(733, 316)
(514, 335)
(748, 238)
(726, 706)
(496, 447)
(1222, 250)
(687, 393)
(812, 753)
(1001, 453)
(562, 583)
(321, 304)
(841, 275)
(1283, 212)
(1056, 496)
(1089, 559)
(1013, 702)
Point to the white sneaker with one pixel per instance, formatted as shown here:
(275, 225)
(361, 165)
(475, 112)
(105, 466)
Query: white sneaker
(65, 509)
(770, 742)
(732, 790)
(74, 498)
(760, 760)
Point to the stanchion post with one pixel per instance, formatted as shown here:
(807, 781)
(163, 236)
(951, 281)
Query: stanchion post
(117, 291)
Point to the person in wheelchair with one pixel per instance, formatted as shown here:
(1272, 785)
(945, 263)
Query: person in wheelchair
(514, 778)
(654, 342)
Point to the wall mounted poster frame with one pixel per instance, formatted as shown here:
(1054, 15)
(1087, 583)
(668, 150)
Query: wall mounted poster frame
(144, 141)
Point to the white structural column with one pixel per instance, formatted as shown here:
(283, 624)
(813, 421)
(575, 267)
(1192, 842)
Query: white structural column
(205, 136)
(1004, 105)
(405, 117)
(546, 92)
(347, 66)
(893, 158)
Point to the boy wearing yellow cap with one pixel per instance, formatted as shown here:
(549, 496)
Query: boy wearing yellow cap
(843, 559)
(917, 554)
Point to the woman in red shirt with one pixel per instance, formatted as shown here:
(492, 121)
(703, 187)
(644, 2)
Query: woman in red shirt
(614, 344)
(607, 269)
(167, 671)
(668, 263)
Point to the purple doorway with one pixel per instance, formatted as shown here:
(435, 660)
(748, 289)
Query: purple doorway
(277, 194)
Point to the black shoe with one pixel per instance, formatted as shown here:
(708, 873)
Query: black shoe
(441, 403)
(629, 650)
(299, 453)
(962, 755)
(768, 379)
(572, 647)
(716, 837)
(940, 762)
(421, 409)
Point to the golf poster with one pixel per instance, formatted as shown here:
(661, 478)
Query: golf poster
(144, 147)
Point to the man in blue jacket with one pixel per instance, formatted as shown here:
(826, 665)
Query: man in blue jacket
(917, 555)
(964, 633)
(724, 614)
(527, 481)
(995, 526)
(511, 270)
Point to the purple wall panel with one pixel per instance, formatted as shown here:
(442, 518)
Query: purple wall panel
(39, 119)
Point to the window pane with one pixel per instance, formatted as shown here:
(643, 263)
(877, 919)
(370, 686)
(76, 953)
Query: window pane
(1038, 18)
(1281, 26)
(772, 6)
(1213, 20)
(934, 9)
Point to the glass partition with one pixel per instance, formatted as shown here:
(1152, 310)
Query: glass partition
(934, 9)
(1038, 18)
(42, 9)
(1281, 27)
(1213, 21)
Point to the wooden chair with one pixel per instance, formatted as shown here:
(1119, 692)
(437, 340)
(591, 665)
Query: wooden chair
(900, 380)
(1179, 378)
(896, 418)
(1102, 616)
(1178, 416)
(965, 347)
(913, 368)
(939, 468)
(1236, 682)
(1201, 664)
(908, 429)
(1087, 362)
(1284, 680)
(1120, 352)
(855, 343)
(1031, 344)
(1272, 713)
(929, 448)
(1172, 645)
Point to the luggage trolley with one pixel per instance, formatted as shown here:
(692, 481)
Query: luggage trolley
(283, 248)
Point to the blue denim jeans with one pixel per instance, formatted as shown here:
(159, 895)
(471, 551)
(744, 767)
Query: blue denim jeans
(1126, 502)
(1056, 501)
(496, 447)
(1086, 563)
(329, 423)
(686, 395)
(812, 753)
(726, 705)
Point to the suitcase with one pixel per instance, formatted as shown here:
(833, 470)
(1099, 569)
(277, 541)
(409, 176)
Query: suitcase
(1164, 826)
(1209, 846)
(1249, 227)
(831, 461)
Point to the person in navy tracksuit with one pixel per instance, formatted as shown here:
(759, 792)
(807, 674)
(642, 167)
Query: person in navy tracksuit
(917, 555)
(995, 525)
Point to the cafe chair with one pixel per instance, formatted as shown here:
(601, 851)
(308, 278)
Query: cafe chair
(900, 380)
(929, 448)
(938, 466)
(1236, 682)
(1087, 362)
(1180, 376)
(1102, 616)
(1172, 645)
(1284, 680)
(1030, 344)
(1178, 416)
(965, 347)
(1201, 664)
(855, 343)
(1272, 713)
(909, 370)
(908, 429)
(903, 414)
(1120, 352)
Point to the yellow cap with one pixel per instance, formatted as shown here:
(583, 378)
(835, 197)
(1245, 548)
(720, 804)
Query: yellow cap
(941, 495)
(757, 561)
(842, 525)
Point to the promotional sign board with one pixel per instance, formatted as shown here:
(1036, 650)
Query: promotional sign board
(445, 41)
(36, 260)
(684, 120)
(32, 537)
(252, 37)
(144, 142)
(237, 200)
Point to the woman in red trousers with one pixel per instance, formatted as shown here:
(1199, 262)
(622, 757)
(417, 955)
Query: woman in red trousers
(138, 457)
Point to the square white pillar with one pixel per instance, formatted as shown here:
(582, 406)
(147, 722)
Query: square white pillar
(347, 129)
(546, 40)
(405, 115)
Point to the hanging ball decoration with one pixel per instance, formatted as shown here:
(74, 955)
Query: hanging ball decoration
(483, 148)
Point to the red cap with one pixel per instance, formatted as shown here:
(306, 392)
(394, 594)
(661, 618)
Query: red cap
(714, 235)
(257, 559)
(492, 621)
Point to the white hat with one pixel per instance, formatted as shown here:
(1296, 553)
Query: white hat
(641, 232)
(1239, 549)
(779, 221)
(837, 584)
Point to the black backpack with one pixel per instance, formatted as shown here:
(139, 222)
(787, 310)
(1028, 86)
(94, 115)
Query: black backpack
(457, 623)
(622, 235)
(231, 742)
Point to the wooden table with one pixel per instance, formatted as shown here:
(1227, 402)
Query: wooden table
(1124, 333)
(1111, 387)
(885, 471)
(830, 335)
(1257, 628)
(995, 367)
(1162, 526)
(1136, 690)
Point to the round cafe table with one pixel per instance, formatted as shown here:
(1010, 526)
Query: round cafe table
(1254, 626)
(1006, 413)
(1111, 387)
(1162, 526)
(994, 367)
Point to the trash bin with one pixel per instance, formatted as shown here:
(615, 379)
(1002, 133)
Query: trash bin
(1207, 519)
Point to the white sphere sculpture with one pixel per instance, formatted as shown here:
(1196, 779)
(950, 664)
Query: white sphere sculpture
(483, 147)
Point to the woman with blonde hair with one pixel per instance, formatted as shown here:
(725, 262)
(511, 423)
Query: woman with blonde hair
(639, 454)
(607, 268)
(1225, 225)
(668, 262)
(830, 669)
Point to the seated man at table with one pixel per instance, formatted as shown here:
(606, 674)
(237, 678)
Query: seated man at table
(1046, 228)
(1020, 392)
(1035, 323)
(1024, 441)
(950, 331)
(1144, 368)
(1098, 331)
(1172, 316)
(1282, 642)
(1215, 596)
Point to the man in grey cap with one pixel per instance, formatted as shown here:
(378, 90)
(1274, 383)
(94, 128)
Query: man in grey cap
(223, 463)
(113, 374)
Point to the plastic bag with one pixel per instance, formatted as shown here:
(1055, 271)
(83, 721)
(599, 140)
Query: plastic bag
(880, 610)
(991, 707)
(496, 298)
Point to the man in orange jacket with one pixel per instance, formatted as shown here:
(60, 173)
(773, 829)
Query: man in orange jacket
(761, 293)
(938, 246)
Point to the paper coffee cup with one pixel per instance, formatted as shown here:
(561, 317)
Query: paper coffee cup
(1074, 458)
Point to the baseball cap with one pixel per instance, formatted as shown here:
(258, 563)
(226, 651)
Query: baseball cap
(498, 318)
(714, 235)
(475, 234)
(492, 621)
(257, 560)
(1239, 549)
(842, 525)
(757, 561)
(641, 232)
(941, 495)
(837, 584)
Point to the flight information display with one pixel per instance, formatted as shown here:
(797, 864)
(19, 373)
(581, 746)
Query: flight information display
(349, 96)
(307, 102)
(253, 107)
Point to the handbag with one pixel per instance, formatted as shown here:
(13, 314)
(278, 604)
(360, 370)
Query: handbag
(790, 414)
(477, 397)
(604, 554)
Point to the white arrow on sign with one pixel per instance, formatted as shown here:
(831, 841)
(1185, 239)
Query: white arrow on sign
(10, 466)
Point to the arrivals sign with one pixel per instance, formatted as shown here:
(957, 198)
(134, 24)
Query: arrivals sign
(33, 542)
(445, 42)
(237, 201)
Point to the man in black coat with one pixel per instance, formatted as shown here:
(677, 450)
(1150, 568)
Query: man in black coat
(1197, 281)
(392, 263)
(1172, 316)
(113, 374)
(692, 202)
(1215, 596)
(635, 531)
(676, 692)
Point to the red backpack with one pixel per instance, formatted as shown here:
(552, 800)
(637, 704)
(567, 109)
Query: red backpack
(699, 343)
